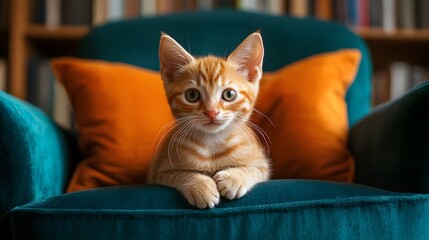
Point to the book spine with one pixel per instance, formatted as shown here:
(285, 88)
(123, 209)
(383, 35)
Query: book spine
(275, 7)
(115, 10)
(340, 9)
(4, 14)
(61, 108)
(389, 15)
(352, 12)
(204, 4)
(169, 6)
(45, 86)
(131, 8)
(99, 12)
(375, 11)
(323, 9)
(76, 12)
(3, 75)
(419, 75)
(249, 5)
(53, 13)
(148, 8)
(381, 87)
(299, 8)
(363, 13)
(407, 15)
(400, 79)
(423, 14)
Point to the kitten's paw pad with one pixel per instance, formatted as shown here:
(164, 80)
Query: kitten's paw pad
(229, 186)
(203, 194)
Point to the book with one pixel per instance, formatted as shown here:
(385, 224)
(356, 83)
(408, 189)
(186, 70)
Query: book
(45, 87)
(299, 8)
(389, 15)
(76, 12)
(251, 5)
(62, 110)
(340, 9)
(53, 13)
(38, 13)
(276, 7)
(115, 10)
(352, 12)
(148, 8)
(225, 3)
(40, 87)
(419, 75)
(400, 79)
(4, 14)
(363, 13)
(99, 12)
(375, 13)
(169, 6)
(204, 4)
(323, 9)
(407, 14)
(380, 87)
(131, 8)
(423, 6)
(3, 75)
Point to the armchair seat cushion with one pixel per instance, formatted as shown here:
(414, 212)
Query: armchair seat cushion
(278, 209)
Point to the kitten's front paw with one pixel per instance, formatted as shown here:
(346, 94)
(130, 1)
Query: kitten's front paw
(232, 184)
(202, 193)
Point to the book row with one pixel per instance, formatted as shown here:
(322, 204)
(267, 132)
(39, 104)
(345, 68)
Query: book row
(395, 80)
(386, 14)
(44, 91)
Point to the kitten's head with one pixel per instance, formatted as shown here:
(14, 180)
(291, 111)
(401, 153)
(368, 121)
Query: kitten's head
(213, 93)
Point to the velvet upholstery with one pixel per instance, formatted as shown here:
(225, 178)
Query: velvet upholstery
(392, 144)
(278, 209)
(33, 156)
(34, 153)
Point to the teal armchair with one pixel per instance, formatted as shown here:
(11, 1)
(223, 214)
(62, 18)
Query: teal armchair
(390, 145)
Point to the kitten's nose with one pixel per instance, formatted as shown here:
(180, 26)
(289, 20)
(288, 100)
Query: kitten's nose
(211, 114)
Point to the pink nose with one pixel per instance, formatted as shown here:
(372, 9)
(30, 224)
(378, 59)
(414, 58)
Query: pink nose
(211, 114)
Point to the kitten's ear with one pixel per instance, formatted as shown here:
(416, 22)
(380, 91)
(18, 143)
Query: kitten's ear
(249, 56)
(172, 57)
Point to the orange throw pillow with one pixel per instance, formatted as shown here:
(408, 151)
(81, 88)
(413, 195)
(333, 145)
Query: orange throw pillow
(119, 110)
(306, 102)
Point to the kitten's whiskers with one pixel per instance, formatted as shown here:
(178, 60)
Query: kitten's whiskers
(264, 116)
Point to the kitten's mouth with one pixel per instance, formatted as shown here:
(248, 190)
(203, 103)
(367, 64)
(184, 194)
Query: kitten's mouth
(212, 124)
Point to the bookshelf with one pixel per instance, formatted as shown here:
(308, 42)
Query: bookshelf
(40, 32)
(4, 44)
(27, 37)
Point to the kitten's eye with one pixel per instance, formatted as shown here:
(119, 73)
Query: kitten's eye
(229, 95)
(192, 95)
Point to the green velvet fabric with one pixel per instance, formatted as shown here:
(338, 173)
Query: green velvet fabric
(391, 145)
(218, 32)
(282, 209)
(33, 162)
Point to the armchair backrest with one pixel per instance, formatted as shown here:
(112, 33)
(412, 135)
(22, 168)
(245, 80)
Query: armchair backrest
(218, 32)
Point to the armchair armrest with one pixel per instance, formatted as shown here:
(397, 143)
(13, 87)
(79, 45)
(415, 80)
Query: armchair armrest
(33, 156)
(391, 145)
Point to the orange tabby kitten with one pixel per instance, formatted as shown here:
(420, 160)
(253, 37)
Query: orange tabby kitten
(211, 150)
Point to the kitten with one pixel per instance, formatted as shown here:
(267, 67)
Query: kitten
(210, 149)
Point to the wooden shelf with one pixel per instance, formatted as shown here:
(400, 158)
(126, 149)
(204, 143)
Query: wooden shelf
(60, 33)
(378, 34)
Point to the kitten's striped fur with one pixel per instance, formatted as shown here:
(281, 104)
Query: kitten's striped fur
(211, 149)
